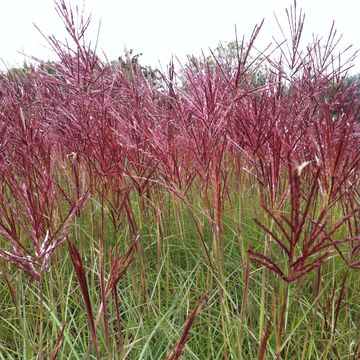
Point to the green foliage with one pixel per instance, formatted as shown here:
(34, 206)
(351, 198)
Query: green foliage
(19, 72)
(131, 63)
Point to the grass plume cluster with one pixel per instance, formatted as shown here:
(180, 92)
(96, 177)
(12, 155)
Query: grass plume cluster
(208, 212)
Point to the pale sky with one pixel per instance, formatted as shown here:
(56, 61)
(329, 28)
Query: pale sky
(161, 28)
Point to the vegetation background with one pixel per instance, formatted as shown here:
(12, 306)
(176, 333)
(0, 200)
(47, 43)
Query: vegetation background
(209, 211)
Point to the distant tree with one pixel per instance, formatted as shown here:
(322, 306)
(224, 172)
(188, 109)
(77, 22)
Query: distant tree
(18, 72)
(230, 53)
(354, 80)
(130, 61)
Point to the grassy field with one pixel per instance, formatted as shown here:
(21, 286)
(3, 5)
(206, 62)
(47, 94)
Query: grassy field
(208, 212)
(169, 275)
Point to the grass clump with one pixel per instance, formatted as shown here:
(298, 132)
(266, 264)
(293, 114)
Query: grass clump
(197, 213)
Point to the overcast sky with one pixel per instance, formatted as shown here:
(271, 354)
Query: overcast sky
(160, 28)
